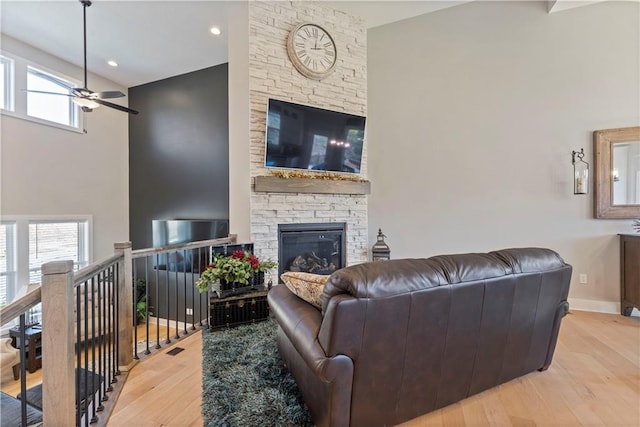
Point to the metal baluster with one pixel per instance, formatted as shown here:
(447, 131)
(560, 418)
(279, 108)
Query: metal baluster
(184, 286)
(116, 269)
(78, 352)
(23, 372)
(99, 345)
(200, 270)
(177, 300)
(135, 316)
(94, 418)
(146, 301)
(168, 340)
(84, 407)
(110, 329)
(193, 290)
(103, 338)
(157, 306)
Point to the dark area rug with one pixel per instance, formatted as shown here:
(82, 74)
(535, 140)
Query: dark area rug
(244, 381)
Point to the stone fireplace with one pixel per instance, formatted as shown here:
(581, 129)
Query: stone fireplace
(272, 76)
(318, 248)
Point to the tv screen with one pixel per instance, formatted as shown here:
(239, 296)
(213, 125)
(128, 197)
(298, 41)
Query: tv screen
(303, 137)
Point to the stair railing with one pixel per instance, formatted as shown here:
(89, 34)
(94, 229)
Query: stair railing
(90, 327)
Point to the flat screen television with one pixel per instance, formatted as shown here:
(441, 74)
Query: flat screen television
(171, 232)
(310, 138)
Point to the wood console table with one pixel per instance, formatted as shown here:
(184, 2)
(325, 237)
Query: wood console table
(629, 273)
(33, 348)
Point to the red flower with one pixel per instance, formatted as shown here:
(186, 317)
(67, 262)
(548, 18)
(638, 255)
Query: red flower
(237, 254)
(255, 262)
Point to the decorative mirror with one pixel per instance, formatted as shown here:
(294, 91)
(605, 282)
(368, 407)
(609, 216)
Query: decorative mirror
(617, 172)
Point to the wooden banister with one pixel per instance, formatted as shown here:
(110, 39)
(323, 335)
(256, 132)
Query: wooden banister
(231, 239)
(16, 308)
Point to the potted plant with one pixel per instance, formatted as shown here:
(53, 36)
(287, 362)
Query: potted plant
(235, 273)
(141, 301)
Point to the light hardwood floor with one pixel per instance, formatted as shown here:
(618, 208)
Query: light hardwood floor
(164, 390)
(594, 380)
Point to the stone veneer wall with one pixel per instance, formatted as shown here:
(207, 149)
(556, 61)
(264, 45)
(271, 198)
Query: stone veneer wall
(271, 74)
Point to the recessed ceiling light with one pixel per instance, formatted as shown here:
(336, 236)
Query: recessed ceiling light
(215, 31)
(112, 63)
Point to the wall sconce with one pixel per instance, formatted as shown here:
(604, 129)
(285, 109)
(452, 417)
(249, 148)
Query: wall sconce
(580, 172)
(381, 250)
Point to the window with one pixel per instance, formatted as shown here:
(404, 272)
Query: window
(7, 262)
(54, 108)
(28, 242)
(56, 241)
(21, 77)
(6, 88)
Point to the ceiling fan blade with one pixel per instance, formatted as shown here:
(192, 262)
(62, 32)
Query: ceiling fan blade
(46, 93)
(110, 94)
(116, 106)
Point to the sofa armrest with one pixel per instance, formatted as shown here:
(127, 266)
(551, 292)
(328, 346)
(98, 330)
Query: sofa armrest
(301, 322)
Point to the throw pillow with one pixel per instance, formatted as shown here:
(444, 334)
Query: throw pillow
(307, 286)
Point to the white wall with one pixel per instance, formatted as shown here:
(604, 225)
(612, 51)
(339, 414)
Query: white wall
(473, 113)
(50, 171)
(239, 123)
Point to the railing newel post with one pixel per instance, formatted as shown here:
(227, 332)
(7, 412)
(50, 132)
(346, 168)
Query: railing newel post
(58, 371)
(125, 306)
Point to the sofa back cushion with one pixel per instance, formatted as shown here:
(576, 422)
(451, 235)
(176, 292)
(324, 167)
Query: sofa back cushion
(450, 326)
(395, 277)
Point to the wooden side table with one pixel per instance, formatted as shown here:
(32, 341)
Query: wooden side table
(33, 343)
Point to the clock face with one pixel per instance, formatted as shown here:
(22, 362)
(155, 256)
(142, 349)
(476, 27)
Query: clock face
(312, 50)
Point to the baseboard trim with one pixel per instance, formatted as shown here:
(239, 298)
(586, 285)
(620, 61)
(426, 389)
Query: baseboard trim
(597, 306)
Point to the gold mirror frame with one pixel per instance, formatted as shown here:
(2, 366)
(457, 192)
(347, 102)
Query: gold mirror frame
(603, 141)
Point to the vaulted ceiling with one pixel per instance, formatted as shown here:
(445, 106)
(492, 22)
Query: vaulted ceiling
(152, 40)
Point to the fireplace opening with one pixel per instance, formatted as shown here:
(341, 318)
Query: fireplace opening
(311, 248)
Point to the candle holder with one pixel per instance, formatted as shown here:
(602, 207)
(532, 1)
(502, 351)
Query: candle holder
(580, 172)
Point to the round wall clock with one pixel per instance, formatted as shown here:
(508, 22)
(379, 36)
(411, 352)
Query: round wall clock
(312, 50)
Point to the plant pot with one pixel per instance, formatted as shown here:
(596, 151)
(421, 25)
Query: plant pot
(257, 279)
(225, 289)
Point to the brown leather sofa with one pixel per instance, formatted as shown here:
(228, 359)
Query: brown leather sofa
(400, 338)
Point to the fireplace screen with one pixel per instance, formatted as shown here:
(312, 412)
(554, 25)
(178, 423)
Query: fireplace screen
(311, 248)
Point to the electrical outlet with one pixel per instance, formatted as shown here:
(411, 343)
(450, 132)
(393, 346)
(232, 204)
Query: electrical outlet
(189, 311)
(583, 279)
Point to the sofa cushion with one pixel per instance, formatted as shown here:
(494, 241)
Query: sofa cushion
(400, 276)
(307, 286)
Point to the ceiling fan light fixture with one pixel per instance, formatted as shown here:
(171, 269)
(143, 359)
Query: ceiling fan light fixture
(85, 102)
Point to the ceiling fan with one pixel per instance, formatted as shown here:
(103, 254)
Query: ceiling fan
(87, 99)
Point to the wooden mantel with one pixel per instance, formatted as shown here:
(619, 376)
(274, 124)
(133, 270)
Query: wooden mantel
(274, 184)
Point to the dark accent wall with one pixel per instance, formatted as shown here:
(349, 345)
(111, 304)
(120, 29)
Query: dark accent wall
(178, 151)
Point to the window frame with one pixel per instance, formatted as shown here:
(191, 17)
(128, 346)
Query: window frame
(20, 70)
(22, 223)
(11, 257)
(8, 64)
(73, 109)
